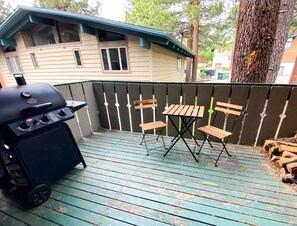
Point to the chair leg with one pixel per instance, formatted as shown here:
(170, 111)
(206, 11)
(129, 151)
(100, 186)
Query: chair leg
(163, 141)
(201, 147)
(147, 150)
(144, 141)
(224, 148)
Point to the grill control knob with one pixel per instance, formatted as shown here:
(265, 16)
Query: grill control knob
(24, 125)
(44, 119)
(26, 94)
(62, 113)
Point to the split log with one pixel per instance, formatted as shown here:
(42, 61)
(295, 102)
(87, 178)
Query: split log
(285, 176)
(283, 171)
(288, 148)
(287, 154)
(275, 158)
(292, 168)
(284, 161)
(280, 142)
(268, 144)
(277, 164)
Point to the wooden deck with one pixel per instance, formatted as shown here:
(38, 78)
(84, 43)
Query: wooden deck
(123, 186)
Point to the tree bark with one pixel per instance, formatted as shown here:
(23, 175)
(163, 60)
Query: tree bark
(195, 44)
(256, 32)
(189, 60)
(285, 17)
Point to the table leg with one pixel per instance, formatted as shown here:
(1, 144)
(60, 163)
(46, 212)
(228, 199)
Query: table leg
(185, 127)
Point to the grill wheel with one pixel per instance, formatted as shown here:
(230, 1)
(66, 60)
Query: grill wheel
(38, 195)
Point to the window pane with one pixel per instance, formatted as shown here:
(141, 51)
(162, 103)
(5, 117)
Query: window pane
(77, 58)
(107, 36)
(17, 64)
(44, 36)
(105, 59)
(124, 59)
(114, 59)
(68, 32)
(11, 66)
(14, 64)
(34, 60)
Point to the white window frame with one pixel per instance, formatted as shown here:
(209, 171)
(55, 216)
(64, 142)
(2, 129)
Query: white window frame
(179, 63)
(17, 66)
(109, 61)
(34, 60)
(75, 59)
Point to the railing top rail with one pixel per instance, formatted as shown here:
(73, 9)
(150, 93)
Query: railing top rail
(184, 83)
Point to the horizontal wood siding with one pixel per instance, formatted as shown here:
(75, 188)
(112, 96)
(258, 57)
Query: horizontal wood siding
(57, 62)
(164, 65)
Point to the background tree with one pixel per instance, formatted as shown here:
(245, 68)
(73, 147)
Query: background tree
(5, 10)
(179, 17)
(293, 27)
(284, 21)
(256, 32)
(76, 6)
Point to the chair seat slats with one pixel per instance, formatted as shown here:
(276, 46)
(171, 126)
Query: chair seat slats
(216, 132)
(152, 125)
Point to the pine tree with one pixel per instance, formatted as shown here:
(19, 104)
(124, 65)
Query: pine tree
(5, 10)
(256, 32)
(76, 6)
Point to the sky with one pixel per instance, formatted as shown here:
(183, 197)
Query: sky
(111, 9)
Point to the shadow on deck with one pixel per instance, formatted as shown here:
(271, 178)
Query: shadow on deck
(123, 186)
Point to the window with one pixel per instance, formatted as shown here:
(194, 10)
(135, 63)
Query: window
(179, 63)
(14, 64)
(67, 32)
(34, 60)
(60, 33)
(77, 58)
(288, 43)
(108, 36)
(114, 59)
(43, 36)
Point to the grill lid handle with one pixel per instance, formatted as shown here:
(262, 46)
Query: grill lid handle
(37, 107)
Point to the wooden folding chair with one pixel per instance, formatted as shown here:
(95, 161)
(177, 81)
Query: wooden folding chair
(220, 134)
(146, 126)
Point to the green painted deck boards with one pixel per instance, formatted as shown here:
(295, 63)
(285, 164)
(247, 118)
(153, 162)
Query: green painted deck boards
(123, 186)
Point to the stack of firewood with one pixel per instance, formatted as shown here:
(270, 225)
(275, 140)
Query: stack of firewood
(283, 153)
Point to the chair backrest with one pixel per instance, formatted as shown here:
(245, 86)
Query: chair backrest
(148, 103)
(227, 108)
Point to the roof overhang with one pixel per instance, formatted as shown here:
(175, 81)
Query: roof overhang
(26, 17)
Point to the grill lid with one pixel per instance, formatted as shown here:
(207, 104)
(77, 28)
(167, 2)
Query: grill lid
(28, 100)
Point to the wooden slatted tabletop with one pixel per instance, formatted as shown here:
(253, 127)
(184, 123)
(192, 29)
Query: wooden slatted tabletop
(184, 111)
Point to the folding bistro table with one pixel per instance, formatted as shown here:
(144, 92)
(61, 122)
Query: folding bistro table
(188, 114)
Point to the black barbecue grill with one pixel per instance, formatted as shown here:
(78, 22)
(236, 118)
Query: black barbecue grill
(36, 146)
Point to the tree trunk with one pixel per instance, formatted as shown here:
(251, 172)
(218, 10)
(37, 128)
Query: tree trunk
(195, 43)
(285, 17)
(293, 79)
(256, 31)
(189, 60)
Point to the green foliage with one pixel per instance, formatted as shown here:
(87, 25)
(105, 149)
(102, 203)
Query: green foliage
(5, 10)
(203, 74)
(207, 54)
(293, 27)
(217, 19)
(151, 13)
(76, 6)
(225, 69)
